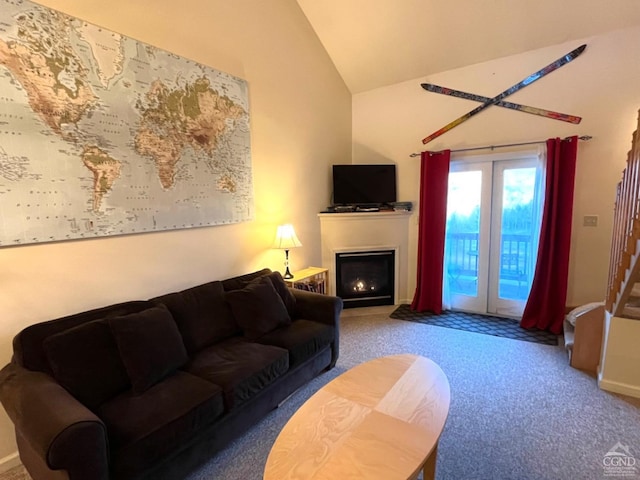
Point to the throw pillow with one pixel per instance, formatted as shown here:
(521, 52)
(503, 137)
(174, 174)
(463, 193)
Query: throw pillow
(285, 292)
(150, 346)
(258, 308)
(85, 361)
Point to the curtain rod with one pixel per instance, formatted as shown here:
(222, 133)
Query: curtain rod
(583, 137)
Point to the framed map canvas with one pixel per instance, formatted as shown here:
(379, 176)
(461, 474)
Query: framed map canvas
(102, 135)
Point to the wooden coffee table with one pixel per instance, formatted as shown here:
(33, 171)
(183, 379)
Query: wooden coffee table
(380, 420)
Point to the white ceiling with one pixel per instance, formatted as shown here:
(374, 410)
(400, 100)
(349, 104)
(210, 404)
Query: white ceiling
(374, 43)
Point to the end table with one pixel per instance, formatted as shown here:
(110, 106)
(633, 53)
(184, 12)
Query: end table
(312, 279)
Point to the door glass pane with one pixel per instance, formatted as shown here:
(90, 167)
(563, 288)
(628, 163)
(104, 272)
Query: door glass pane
(517, 246)
(463, 226)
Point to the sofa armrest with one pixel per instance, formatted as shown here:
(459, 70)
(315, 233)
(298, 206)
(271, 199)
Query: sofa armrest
(61, 432)
(323, 309)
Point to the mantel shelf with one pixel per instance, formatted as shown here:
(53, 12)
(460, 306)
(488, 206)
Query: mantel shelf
(377, 215)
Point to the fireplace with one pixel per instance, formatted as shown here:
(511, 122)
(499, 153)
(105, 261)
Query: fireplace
(368, 232)
(365, 279)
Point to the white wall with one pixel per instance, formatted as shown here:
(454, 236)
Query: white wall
(618, 370)
(601, 86)
(300, 125)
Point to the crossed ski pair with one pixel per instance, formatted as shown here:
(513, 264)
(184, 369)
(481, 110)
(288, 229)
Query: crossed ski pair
(497, 100)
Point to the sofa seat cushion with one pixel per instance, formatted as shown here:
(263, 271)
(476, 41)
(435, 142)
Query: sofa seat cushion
(303, 339)
(240, 367)
(202, 315)
(143, 429)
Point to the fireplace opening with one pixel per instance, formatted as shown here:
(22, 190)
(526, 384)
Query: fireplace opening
(365, 279)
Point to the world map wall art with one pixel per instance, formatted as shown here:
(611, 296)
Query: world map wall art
(103, 135)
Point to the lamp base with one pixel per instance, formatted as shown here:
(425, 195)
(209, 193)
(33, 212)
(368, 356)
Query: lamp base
(287, 274)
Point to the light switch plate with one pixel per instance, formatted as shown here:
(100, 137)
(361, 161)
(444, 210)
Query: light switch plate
(590, 221)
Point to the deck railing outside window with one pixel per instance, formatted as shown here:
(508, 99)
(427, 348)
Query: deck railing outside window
(516, 263)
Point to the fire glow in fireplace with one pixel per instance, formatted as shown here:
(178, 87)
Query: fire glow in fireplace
(365, 279)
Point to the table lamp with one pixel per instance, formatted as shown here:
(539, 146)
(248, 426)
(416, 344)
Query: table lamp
(285, 239)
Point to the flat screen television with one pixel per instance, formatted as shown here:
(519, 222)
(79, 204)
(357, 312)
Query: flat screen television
(364, 184)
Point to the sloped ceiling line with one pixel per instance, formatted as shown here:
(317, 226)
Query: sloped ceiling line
(375, 43)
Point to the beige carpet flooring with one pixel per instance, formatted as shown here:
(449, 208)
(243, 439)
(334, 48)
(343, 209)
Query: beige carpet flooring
(17, 473)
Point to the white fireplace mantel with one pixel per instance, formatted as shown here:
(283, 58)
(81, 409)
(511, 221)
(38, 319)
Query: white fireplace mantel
(367, 231)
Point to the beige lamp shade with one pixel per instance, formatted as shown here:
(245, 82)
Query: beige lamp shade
(286, 237)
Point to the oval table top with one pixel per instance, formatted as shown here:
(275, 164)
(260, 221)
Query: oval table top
(380, 419)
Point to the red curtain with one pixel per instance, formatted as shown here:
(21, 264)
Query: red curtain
(434, 177)
(545, 308)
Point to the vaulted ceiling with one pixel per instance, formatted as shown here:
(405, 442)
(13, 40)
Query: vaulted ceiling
(374, 43)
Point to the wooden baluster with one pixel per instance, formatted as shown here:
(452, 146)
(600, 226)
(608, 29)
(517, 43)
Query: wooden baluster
(633, 196)
(624, 227)
(624, 268)
(613, 262)
(616, 241)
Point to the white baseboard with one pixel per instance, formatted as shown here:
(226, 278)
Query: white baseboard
(617, 387)
(9, 462)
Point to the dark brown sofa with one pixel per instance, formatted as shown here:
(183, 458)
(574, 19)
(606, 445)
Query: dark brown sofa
(151, 389)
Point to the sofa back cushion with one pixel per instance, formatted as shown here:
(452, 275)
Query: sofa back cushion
(202, 315)
(28, 345)
(85, 360)
(150, 346)
(241, 281)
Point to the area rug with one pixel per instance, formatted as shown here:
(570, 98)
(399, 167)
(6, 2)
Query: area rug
(474, 322)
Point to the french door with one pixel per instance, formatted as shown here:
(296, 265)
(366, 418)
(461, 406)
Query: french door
(493, 224)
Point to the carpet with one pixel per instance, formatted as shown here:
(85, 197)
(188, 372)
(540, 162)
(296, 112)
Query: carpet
(474, 322)
(518, 410)
(16, 473)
